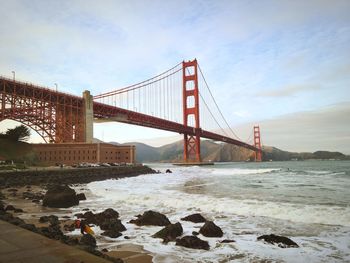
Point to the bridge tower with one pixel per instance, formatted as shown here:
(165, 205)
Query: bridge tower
(257, 143)
(88, 116)
(192, 151)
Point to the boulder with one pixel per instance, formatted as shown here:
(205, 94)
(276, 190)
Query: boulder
(32, 196)
(52, 219)
(69, 227)
(29, 227)
(112, 224)
(10, 208)
(111, 233)
(89, 217)
(16, 221)
(192, 242)
(81, 196)
(227, 241)
(53, 232)
(151, 218)
(209, 229)
(195, 218)
(170, 232)
(195, 233)
(281, 241)
(101, 218)
(60, 196)
(168, 171)
(88, 240)
(108, 213)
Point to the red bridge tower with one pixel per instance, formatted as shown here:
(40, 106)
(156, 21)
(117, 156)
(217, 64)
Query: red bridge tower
(192, 148)
(257, 143)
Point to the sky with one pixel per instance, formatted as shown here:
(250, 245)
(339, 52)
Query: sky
(284, 65)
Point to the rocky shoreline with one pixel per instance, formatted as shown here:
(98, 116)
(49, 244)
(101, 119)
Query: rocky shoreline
(49, 192)
(69, 176)
(23, 193)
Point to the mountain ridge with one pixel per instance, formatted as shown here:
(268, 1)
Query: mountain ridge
(223, 152)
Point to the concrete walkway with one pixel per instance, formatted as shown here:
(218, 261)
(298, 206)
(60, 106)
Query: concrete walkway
(18, 245)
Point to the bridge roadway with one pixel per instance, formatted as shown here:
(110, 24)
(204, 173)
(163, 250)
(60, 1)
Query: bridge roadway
(101, 112)
(105, 112)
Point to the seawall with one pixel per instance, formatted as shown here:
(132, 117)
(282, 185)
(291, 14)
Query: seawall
(69, 176)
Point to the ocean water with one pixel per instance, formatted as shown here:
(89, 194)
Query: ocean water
(308, 202)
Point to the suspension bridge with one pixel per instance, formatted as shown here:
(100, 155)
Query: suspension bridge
(178, 100)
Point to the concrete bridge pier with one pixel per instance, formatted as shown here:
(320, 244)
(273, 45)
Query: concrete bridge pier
(88, 116)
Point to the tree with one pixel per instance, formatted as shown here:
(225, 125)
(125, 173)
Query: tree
(19, 133)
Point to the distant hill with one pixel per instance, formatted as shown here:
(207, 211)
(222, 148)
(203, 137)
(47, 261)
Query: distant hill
(210, 151)
(222, 152)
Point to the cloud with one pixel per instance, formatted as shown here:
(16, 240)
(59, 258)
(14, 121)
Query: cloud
(289, 90)
(324, 129)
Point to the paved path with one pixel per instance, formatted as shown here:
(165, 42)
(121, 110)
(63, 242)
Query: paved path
(18, 245)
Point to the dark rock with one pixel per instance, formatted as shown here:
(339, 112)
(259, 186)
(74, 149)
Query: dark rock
(65, 217)
(227, 241)
(18, 210)
(89, 217)
(6, 216)
(195, 233)
(86, 209)
(12, 190)
(16, 221)
(79, 215)
(31, 196)
(195, 218)
(112, 224)
(72, 241)
(209, 229)
(10, 208)
(168, 171)
(104, 250)
(60, 196)
(170, 232)
(44, 219)
(88, 240)
(69, 227)
(192, 242)
(36, 201)
(126, 237)
(109, 213)
(283, 242)
(52, 219)
(53, 232)
(111, 233)
(29, 227)
(151, 218)
(81, 196)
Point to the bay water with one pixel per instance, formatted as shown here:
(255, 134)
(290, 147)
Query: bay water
(308, 202)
